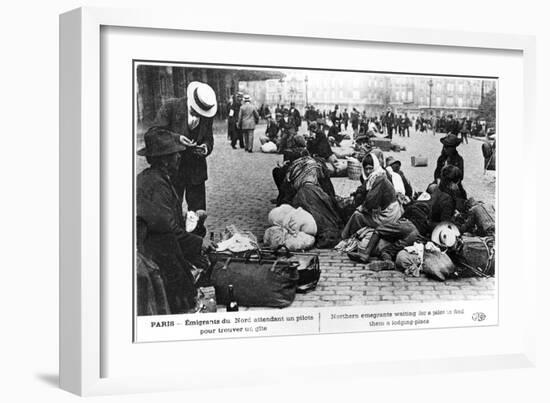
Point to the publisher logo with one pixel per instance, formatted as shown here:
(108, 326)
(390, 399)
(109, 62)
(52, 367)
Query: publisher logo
(479, 317)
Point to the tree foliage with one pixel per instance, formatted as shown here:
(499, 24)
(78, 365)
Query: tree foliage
(487, 107)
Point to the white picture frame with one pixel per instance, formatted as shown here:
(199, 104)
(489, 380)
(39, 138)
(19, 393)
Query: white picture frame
(82, 344)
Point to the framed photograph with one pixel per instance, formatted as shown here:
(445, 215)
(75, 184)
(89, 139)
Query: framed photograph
(248, 197)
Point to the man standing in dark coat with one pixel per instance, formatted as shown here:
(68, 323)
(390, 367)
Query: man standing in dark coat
(236, 132)
(345, 118)
(192, 119)
(389, 122)
(294, 116)
(355, 122)
(231, 124)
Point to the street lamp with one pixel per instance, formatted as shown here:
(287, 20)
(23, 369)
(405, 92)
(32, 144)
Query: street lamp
(430, 84)
(306, 90)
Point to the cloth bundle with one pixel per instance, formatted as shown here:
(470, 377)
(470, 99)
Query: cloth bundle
(426, 258)
(269, 147)
(410, 259)
(237, 241)
(294, 228)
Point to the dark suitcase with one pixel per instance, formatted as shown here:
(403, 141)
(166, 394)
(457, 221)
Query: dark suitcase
(476, 256)
(257, 281)
(309, 270)
(308, 266)
(381, 143)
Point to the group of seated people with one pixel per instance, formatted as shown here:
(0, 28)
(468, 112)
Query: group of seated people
(384, 202)
(283, 131)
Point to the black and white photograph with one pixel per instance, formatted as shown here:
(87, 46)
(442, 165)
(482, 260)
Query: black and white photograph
(263, 188)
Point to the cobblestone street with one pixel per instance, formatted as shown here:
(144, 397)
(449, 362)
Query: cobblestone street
(240, 187)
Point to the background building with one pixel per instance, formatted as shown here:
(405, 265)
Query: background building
(374, 93)
(155, 84)
(369, 92)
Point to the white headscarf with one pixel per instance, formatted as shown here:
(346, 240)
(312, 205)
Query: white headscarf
(396, 180)
(377, 171)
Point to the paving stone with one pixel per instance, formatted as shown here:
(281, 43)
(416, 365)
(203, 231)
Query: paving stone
(335, 297)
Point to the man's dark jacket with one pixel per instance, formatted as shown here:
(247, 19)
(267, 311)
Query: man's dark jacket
(173, 115)
(162, 237)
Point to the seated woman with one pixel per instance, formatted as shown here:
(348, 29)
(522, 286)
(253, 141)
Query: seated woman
(410, 228)
(161, 234)
(271, 131)
(313, 191)
(317, 142)
(447, 196)
(399, 181)
(377, 198)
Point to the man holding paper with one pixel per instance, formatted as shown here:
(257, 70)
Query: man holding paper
(192, 119)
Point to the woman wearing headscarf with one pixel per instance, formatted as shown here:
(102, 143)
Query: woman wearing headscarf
(450, 156)
(447, 197)
(379, 204)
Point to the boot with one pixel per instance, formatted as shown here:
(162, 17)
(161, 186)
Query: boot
(364, 257)
(373, 241)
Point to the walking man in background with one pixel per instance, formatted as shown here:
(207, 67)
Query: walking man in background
(389, 122)
(355, 122)
(345, 118)
(236, 133)
(248, 119)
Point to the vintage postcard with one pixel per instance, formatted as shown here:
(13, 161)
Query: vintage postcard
(282, 201)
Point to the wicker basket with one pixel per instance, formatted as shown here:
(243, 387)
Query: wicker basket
(354, 170)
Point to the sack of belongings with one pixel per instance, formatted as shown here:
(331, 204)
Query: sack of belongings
(278, 214)
(277, 236)
(269, 147)
(299, 241)
(300, 220)
(294, 228)
(476, 256)
(256, 281)
(411, 259)
(437, 264)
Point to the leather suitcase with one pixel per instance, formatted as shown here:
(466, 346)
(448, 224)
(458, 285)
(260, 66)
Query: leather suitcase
(258, 281)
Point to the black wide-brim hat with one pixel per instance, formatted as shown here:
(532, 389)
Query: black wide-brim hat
(160, 141)
(450, 140)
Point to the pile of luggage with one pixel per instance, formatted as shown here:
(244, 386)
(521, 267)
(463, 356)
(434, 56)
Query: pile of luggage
(449, 255)
(240, 273)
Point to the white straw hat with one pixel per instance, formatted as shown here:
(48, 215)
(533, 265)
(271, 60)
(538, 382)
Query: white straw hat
(202, 98)
(445, 234)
